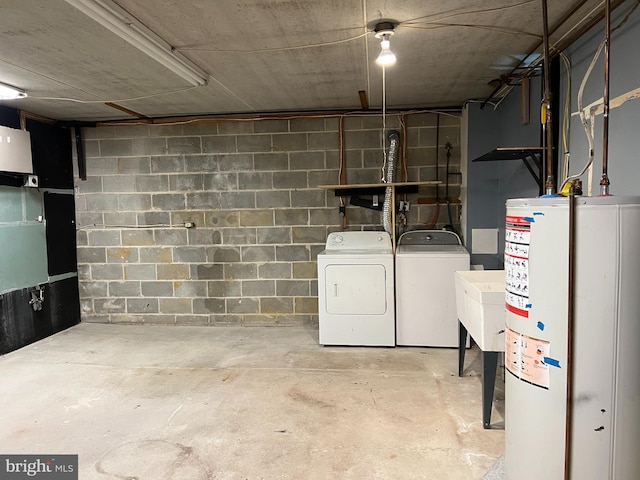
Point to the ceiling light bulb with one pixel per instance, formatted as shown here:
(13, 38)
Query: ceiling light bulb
(7, 92)
(386, 56)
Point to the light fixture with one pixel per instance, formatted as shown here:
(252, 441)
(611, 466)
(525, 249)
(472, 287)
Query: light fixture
(384, 31)
(7, 92)
(113, 17)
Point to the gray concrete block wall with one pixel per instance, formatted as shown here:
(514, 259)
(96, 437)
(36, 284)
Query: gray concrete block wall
(250, 188)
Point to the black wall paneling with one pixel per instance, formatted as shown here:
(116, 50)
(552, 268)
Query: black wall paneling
(59, 211)
(20, 325)
(11, 179)
(9, 117)
(52, 155)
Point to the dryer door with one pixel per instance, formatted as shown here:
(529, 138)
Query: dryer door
(355, 289)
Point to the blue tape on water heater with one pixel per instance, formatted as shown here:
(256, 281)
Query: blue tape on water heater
(552, 361)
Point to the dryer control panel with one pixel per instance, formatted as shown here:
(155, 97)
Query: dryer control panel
(358, 241)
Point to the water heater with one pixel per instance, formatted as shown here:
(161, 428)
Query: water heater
(598, 430)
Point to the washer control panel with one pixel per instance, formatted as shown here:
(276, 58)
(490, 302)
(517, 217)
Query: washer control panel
(429, 237)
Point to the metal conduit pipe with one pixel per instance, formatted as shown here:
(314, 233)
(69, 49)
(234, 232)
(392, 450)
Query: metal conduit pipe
(604, 181)
(570, 329)
(394, 143)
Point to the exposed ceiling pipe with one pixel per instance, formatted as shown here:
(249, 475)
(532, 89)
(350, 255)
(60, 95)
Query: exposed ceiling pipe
(547, 122)
(604, 181)
(343, 172)
(234, 117)
(561, 22)
(523, 71)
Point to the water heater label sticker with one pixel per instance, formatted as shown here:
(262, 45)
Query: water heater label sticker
(516, 264)
(526, 358)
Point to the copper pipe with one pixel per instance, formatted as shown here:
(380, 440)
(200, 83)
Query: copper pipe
(570, 336)
(343, 171)
(403, 149)
(558, 47)
(403, 163)
(547, 157)
(561, 22)
(604, 181)
(437, 156)
(218, 118)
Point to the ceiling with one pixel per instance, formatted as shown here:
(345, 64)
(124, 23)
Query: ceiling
(265, 56)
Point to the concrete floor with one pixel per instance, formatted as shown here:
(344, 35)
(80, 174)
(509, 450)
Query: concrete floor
(195, 403)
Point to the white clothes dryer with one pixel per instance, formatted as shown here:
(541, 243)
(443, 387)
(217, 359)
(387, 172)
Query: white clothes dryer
(426, 262)
(355, 290)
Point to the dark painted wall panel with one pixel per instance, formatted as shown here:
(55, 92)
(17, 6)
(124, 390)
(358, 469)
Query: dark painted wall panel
(52, 157)
(490, 184)
(9, 117)
(20, 325)
(52, 160)
(59, 211)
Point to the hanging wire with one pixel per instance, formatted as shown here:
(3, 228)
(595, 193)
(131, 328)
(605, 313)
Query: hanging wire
(586, 121)
(274, 49)
(491, 28)
(468, 12)
(384, 124)
(119, 100)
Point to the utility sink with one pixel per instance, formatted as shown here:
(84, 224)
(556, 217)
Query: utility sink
(481, 313)
(480, 307)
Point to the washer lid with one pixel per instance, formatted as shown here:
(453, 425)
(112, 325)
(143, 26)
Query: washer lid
(429, 237)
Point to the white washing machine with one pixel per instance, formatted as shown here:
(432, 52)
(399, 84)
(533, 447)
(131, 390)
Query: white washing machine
(426, 262)
(355, 290)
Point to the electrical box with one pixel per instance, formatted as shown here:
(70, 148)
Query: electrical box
(15, 151)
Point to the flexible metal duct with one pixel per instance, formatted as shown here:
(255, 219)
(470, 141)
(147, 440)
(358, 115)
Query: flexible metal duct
(394, 144)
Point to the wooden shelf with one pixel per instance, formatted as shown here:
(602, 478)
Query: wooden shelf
(379, 189)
